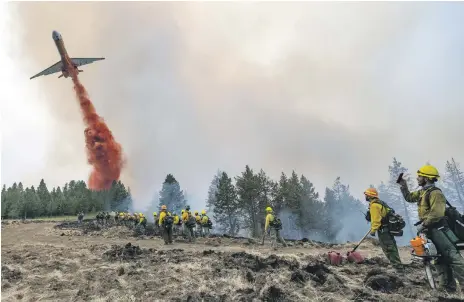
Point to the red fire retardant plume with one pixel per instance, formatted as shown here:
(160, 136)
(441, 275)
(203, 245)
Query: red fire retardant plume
(103, 152)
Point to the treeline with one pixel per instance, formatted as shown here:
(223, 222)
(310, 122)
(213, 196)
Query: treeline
(73, 197)
(239, 205)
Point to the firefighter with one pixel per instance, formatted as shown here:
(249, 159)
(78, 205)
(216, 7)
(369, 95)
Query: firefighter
(184, 222)
(177, 224)
(435, 226)
(189, 222)
(100, 217)
(156, 221)
(121, 217)
(80, 217)
(377, 218)
(205, 223)
(198, 225)
(136, 219)
(142, 220)
(273, 226)
(165, 224)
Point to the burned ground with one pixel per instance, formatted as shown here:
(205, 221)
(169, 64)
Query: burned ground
(86, 263)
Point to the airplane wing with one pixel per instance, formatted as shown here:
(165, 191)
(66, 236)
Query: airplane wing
(57, 67)
(84, 61)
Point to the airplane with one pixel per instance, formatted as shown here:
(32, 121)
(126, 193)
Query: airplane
(61, 65)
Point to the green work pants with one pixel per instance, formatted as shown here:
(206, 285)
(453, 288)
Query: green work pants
(389, 248)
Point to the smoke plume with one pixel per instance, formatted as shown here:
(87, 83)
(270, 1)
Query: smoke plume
(328, 89)
(103, 152)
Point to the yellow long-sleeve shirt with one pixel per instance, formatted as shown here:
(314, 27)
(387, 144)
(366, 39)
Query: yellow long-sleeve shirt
(430, 212)
(378, 211)
(185, 216)
(269, 219)
(162, 216)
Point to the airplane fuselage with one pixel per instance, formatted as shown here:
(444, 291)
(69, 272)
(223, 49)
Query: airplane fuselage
(62, 51)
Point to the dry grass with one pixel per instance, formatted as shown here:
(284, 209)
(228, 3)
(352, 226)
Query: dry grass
(40, 264)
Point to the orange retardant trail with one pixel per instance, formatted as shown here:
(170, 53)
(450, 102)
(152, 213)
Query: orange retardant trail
(103, 152)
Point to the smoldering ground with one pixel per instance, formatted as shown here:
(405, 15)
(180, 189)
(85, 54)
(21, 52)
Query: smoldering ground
(38, 263)
(328, 89)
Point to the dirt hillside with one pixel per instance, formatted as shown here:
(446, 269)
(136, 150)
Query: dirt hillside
(46, 262)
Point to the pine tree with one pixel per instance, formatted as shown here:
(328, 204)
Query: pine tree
(14, 197)
(213, 187)
(226, 206)
(391, 194)
(119, 198)
(248, 194)
(311, 209)
(279, 194)
(5, 203)
(264, 198)
(331, 225)
(60, 201)
(45, 199)
(294, 192)
(171, 195)
(453, 184)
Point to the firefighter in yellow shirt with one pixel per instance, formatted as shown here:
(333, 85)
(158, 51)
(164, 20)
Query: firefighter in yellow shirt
(189, 222)
(184, 222)
(273, 226)
(378, 212)
(142, 220)
(165, 224)
(198, 225)
(177, 224)
(205, 223)
(121, 217)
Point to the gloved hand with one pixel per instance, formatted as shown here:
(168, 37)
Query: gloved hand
(421, 228)
(373, 234)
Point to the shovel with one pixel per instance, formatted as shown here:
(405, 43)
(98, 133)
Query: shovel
(354, 256)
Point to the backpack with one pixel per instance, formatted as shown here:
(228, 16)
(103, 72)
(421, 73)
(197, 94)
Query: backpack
(454, 219)
(191, 222)
(168, 220)
(209, 223)
(276, 223)
(392, 220)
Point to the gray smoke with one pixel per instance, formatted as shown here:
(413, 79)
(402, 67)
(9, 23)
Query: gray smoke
(327, 89)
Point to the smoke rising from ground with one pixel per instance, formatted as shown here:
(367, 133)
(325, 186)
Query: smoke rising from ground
(327, 89)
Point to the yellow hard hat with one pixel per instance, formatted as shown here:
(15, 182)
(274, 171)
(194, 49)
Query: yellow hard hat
(203, 212)
(163, 207)
(428, 171)
(372, 192)
(155, 214)
(196, 212)
(268, 209)
(182, 211)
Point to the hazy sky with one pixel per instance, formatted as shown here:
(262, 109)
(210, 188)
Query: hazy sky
(327, 89)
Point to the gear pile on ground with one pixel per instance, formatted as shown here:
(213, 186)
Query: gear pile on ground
(127, 252)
